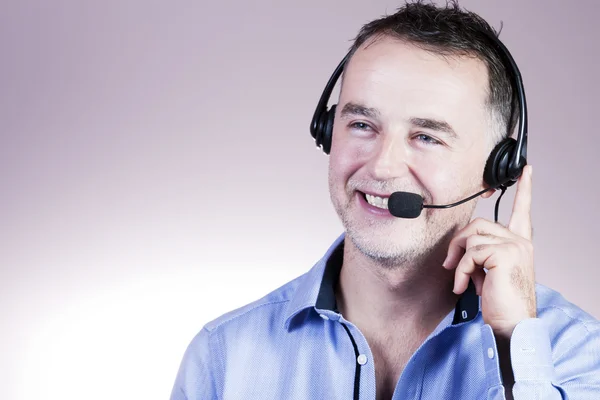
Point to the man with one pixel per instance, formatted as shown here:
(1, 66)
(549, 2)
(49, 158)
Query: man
(386, 313)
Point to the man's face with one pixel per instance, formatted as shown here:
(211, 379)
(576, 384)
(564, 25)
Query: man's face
(407, 120)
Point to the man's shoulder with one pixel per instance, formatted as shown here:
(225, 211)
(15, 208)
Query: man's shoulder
(272, 305)
(275, 309)
(558, 311)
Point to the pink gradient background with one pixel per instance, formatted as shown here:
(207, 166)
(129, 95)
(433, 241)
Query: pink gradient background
(157, 171)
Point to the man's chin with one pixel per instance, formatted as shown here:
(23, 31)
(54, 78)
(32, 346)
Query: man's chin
(380, 246)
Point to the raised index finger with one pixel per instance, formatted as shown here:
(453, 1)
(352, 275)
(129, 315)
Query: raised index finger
(520, 219)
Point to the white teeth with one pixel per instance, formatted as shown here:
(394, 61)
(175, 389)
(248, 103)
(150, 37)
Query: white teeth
(381, 202)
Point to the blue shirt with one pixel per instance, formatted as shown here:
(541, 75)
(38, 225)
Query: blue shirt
(294, 344)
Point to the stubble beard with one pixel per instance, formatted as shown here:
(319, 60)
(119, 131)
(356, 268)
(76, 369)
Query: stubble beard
(392, 246)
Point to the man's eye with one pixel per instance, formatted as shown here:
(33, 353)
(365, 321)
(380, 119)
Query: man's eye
(426, 139)
(359, 125)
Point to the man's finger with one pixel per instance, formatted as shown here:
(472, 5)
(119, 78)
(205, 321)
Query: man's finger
(480, 227)
(473, 260)
(520, 219)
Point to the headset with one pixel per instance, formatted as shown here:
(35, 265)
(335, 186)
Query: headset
(506, 161)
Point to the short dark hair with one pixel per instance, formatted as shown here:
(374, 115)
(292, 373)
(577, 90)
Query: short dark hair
(451, 31)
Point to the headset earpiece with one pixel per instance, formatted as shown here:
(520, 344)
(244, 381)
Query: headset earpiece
(497, 168)
(324, 130)
(319, 128)
(328, 130)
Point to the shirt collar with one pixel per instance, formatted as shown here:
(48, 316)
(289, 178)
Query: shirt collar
(312, 283)
(316, 289)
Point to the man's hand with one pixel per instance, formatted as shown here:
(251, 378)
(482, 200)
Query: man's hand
(508, 289)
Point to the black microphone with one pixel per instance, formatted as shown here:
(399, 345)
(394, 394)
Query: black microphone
(410, 205)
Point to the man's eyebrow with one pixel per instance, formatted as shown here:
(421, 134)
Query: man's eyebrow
(358, 109)
(350, 109)
(435, 125)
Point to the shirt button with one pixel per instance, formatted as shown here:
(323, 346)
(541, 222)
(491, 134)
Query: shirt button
(362, 359)
(325, 317)
(490, 352)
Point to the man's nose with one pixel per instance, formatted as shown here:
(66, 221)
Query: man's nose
(390, 157)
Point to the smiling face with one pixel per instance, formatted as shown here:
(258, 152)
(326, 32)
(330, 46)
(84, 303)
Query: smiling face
(407, 120)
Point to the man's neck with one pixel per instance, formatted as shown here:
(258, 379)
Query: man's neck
(380, 298)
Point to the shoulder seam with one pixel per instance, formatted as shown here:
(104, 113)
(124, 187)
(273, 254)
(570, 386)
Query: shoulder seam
(585, 323)
(211, 330)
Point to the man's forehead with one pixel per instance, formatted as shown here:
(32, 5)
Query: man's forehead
(391, 73)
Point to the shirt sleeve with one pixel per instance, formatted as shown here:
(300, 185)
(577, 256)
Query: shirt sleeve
(196, 376)
(569, 371)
